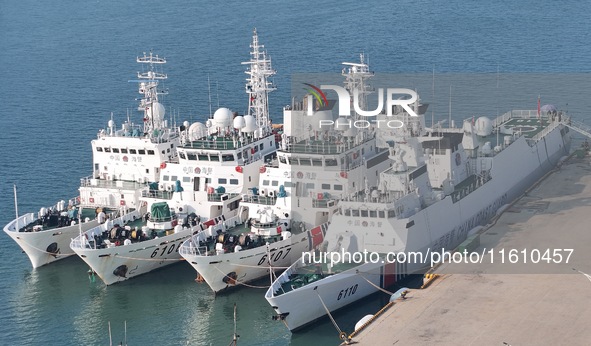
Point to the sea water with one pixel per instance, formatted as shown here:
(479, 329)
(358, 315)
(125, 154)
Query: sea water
(65, 67)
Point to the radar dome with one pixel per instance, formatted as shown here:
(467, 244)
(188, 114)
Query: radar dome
(197, 131)
(239, 122)
(156, 111)
(222, 117)
(483, 126)
(250, 124)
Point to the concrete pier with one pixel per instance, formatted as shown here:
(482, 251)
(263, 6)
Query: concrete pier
(503, 304)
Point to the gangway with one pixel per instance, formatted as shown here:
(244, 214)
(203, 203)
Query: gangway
(578, 126)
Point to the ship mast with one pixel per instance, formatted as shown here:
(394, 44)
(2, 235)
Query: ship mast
(149, 79)
(355, 76)
(258, 85)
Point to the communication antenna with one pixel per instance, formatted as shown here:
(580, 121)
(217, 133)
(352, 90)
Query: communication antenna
(209, 94)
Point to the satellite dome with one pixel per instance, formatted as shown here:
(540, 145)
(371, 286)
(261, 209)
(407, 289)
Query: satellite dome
(250, 124)
(222, 117)
(197, 131)
(239, 122)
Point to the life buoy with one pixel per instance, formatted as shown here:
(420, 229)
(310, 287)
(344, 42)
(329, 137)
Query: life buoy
(239, 169)
(355, 155)
(122, 202)
(343, 175)
(91, 200)
(300, 175)
(78, 200)
(320, 195)
(252, 151)
(262, 169)
(163, 165)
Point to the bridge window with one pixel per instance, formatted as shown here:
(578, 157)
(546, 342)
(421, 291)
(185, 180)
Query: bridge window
(214, 158)
(338, 187)
(222, 181)
(165, 178)
(182, 155)
(274, 183)
(325, 186)
(174, 178)
(226, 158)
(141, 152)
(364, 213)
(123, 151)
(192, 156)
(99, 149)
(265, 182)
(317, 162)
(281, 158)
(305, 162)
(233, 181)
(203, 157)
(381, 214)
(355, 212)
(132, 151)
(150, 152)
(116, 150)
(330, 162)
(107, 150)
(391, 214)
(373, 213)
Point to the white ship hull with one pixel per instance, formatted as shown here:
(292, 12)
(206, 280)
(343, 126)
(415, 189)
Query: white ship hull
(332, 293)
(444, 224)
(236, 269)
(136, 259)
(35, 244)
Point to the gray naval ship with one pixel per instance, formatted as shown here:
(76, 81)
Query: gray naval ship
(443, 183)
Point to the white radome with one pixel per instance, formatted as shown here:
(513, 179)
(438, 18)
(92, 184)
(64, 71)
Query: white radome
(222, 117)
(239, 122)
(250, 124)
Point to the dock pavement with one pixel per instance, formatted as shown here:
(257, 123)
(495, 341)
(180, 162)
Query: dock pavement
(505, 304)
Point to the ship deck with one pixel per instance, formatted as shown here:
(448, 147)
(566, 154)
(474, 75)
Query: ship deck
(311, 273)
(331, 146)
(111, 184)
(529, 127)
(55, 221)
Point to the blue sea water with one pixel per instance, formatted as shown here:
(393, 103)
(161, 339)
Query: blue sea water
(65, 67)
